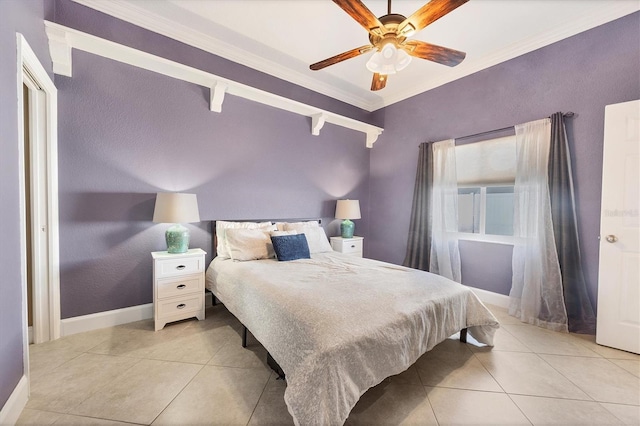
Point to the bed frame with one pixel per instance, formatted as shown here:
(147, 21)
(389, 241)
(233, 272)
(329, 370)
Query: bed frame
(270, 361)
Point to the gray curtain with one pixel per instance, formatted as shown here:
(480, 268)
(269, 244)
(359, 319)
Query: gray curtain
(580, 312)
(419, 242)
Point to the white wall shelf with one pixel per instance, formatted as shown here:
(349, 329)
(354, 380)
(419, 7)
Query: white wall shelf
(63, 39)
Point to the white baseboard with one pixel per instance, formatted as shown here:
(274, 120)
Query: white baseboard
(15, 404)
(106, 319)
(491, 298)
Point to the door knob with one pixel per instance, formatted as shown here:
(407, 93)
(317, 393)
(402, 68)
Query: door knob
(611, 238)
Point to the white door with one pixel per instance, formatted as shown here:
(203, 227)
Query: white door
(618, 323)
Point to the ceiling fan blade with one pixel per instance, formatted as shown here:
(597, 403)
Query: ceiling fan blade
(379, 81)
(432, 52)
(427, 14)
(341, 57)
(358, 11)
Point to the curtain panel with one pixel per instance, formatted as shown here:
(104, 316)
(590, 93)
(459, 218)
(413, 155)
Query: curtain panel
(419, 241)
(581, 316)
(445, 255)
(536, 295)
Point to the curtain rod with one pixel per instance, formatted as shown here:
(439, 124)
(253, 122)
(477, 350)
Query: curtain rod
(566, 114)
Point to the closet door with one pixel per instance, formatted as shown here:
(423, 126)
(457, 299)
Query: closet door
(619, 277)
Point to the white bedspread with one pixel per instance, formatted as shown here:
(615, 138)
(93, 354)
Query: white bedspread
(338, 325)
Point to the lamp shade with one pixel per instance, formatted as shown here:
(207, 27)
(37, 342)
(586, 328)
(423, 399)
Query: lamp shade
(176, 208)
(348, 209)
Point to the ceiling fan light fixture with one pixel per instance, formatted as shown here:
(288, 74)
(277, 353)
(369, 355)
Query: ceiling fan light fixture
(388, 60)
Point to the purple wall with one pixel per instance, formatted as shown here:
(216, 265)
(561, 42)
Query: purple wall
(25, 17)
(580, 74)
(126, 133)
(90, 21)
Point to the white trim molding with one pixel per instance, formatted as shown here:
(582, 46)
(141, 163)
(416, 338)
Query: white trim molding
(15, 404)
(80, 324)
(63, 39)
(47, 291)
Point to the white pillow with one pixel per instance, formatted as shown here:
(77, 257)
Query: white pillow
(222, 226)
(297, 226)
(249, 244)
(279, 233)
(317, 239)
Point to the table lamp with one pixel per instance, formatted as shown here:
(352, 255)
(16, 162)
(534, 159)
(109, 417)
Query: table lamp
(176, 208)
(347, 209)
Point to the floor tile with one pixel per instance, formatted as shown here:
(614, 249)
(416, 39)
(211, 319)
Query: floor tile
(233, 354)
(392, 403)
(599, 378)
(628, 414)
(271, 408)
(70, 420)
(465, 407)
(408, 377)
(502, 341)
(74, 381)
(551, 411)
(139, 339)
(37, 417)
(631, 365)
(192, 347)
(217, 396)
(544, 341)
(142, 394)
(528, 374)
(590, 342)
(44, 361)
(451, 364)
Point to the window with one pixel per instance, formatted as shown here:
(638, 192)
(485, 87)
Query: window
(486, 210)
(486, 176)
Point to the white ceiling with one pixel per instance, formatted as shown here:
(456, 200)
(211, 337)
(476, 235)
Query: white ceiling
(283, 37)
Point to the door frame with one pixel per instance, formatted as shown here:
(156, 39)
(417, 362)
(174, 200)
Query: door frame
(47, 286)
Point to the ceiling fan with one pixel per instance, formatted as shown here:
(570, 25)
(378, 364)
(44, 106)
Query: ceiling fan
(388, 35)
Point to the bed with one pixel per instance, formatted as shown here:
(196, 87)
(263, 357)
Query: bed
(338, 325)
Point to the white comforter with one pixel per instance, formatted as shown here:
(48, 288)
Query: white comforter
(338, 325)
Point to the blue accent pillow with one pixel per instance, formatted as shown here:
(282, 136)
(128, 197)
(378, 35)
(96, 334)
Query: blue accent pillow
(291, 247)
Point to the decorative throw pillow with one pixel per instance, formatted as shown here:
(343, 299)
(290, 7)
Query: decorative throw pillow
(249, 244)
(222, 225)
(297, 226)
(317, 239)
(291, 247)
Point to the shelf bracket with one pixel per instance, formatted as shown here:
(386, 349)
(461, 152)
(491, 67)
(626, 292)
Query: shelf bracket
(317, 121)
(60, 50)
(372, 137)
(216, 96)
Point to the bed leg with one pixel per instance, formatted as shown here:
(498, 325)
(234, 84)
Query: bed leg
(244, 336)
(463, 335)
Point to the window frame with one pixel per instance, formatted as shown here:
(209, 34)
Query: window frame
(482, 236)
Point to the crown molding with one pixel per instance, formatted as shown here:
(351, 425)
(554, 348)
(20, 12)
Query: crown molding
(62, 40)
(137, 15)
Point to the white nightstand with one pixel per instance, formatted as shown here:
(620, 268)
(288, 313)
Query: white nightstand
(351, 246)
(178, 286)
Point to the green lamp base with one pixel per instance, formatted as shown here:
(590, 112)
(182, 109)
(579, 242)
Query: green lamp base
(177, 237)
(346, 228)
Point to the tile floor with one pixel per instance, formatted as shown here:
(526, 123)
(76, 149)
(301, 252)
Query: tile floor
(196, 372)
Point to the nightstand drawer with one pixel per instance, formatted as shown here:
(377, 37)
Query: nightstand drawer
(170, 287)
(180, 305)
(352, 246)
(184, 266)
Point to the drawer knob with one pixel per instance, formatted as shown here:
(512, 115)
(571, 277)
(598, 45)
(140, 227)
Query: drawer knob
(353, 246)
(180, 267)
(181, 306)
(181, 286)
